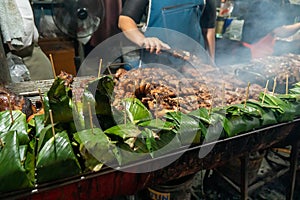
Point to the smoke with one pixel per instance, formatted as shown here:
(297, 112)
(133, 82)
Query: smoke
(260, 17)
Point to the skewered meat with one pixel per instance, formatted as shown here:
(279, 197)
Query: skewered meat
(268, 68)
(162, 90)
(9, 100)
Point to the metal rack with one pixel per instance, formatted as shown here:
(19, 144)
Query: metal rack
(110, 182)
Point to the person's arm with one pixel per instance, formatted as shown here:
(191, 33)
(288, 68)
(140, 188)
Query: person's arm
(131, 14)
(287, 30)
(131, 31)
(209, 38)
(208, 24)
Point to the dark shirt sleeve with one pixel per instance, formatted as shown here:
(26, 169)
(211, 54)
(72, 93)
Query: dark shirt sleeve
(135, 9)
(208, 19)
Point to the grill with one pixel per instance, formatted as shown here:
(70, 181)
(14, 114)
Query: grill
(109, 182)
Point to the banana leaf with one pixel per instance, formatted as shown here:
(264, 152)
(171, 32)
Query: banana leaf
(79, 118)
(295, 89)
(187, 127)
(285, 112)
(30, 160)
(241, 119)
(131, 142)
(99, 94)
(13, 174)
(240, 124)
(136, 110)
(241, 109)
(39, 124)
(168, 141)
(59, 100)
(56, 159)
(149, 145)
(19, 124)
(157, 125)
(215, 128)
(124, 131)
(45, 134)
(96, 148)
(267, 115)
(293, 100)
(210, 123)
(128, 155)
(201, 114)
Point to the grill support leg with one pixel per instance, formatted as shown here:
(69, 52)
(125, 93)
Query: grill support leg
(244, 176)
(293, 169)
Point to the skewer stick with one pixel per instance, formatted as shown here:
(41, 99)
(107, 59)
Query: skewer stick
(52, 64)
(53, 130)
(100, 68)
(41, 97)
(266, 89)
(10, 108)
(156, 110)
(212, 101)
(287, 84)
(52, 123)
(91, 117)
(125, 114)
(178, 92)
(274, 85)
(109, 71)
(1, 143)
(247, 94)
(223, 94)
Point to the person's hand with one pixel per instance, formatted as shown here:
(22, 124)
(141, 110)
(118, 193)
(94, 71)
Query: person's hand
(153, 44)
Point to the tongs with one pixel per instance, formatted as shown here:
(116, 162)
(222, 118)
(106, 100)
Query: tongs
(180, 54)
(183, 55)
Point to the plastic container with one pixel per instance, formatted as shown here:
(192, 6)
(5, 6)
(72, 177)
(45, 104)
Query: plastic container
(220, 26)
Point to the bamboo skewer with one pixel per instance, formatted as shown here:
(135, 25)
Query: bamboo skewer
(266, 89)
(223, 94)
(41, 97)
(100, 68)
(53, 130)
(287, 84)
(52, 123)
(156, 110)
(247, 95)
(274, 85)
(109, 71)
(125, 114)
(10, 108)
(91, 117)
(1, 143)
(212, 101)
(178, 95)
(52, 65)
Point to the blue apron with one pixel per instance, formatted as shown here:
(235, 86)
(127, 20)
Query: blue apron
(178, 15)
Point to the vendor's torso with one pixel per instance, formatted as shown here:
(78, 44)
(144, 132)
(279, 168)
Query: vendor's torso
(179, 15)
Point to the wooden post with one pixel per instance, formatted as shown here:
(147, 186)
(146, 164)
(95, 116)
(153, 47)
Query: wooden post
(4, 75)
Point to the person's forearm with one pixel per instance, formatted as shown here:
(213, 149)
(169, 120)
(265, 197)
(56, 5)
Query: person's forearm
(287, 30)
(209, 37)
(131, 31)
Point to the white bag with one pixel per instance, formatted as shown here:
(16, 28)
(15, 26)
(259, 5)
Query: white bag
(18, 70)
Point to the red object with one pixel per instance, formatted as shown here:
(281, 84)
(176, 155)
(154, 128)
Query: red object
(100, 187)
(264, 47)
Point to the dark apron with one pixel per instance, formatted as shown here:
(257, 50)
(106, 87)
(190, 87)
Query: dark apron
(176, 23)
(182, 16)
